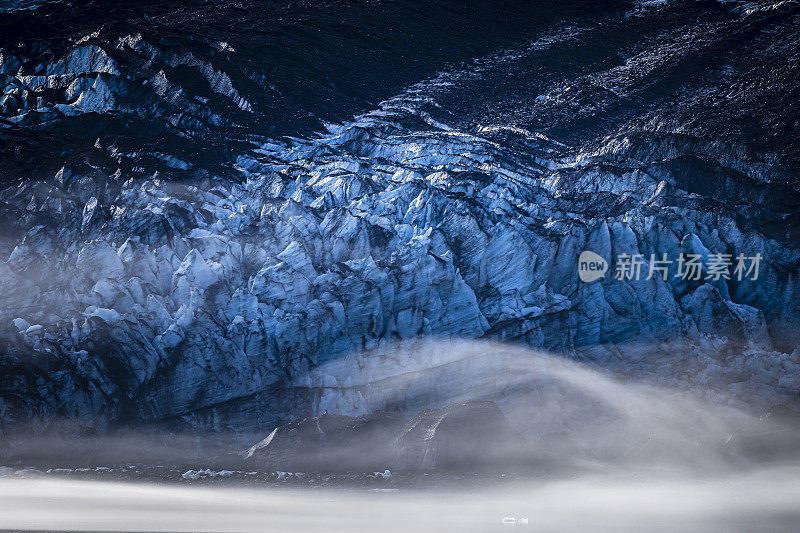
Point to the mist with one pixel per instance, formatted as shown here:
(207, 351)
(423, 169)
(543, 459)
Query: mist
(604, 454)
(569, 411)
(763, 500)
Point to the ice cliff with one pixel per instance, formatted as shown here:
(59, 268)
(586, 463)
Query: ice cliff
(133, 286)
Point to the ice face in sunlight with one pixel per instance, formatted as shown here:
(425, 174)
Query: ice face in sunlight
(386, 227)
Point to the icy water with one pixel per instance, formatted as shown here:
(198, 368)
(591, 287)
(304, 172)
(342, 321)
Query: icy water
(763, 500)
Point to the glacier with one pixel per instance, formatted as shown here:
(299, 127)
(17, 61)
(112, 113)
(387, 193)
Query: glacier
(239, 301)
